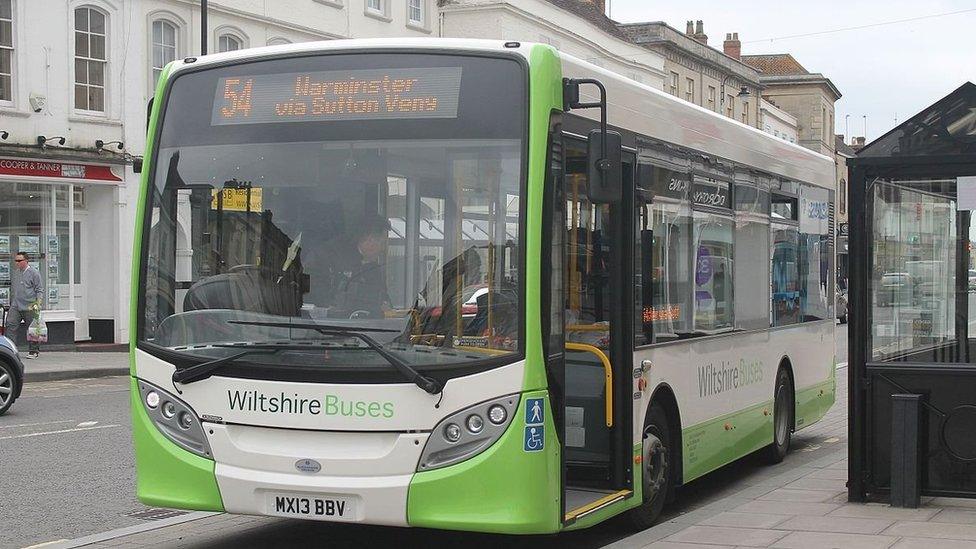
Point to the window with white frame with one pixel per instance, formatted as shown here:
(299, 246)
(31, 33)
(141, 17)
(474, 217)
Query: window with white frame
(415, 12)
(745, 112)
(6, 50)
(163, 46)
(690, 90)
(674, 84)
(90, 59)
(229, 42)
(711, 97)
(376, 6)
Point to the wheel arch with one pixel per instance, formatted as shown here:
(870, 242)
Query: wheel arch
(664, 395)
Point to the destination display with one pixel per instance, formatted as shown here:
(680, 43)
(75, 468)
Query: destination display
(367, 94)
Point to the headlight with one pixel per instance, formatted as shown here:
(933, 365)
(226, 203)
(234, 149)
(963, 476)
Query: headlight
(475, 424)
(174, 419)
(449, 443)
(497, 414)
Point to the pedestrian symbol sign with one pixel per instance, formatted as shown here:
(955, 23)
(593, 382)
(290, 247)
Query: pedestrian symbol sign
(535, 438)
(535, 431)
(535, 411)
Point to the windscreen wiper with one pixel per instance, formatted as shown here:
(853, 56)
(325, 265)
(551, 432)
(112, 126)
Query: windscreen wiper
(429, 385)
(206, 369)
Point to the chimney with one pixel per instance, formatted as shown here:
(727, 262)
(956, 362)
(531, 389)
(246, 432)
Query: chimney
(857, 143)
(732, 47)
(700, 32)
(690, 29)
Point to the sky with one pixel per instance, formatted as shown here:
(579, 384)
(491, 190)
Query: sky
(886, 72)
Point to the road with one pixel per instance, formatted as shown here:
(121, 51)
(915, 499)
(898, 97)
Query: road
(68, 472)
(67, 465)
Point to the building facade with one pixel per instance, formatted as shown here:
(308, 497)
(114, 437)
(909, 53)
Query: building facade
(809, 97)
(577, 27)
(699, 73)
(75, 79)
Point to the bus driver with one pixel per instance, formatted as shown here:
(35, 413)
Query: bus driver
(362, 290)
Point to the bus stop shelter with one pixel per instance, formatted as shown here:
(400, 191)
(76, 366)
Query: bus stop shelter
(912, 364)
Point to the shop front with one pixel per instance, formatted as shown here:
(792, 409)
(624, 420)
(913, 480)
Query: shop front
(60, 212)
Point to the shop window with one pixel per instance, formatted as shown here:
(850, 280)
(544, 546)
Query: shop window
(164, 35)
(6, 50)
(90, 59)
(662, 261)
(34, 219)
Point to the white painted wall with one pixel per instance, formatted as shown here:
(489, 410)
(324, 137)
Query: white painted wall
(777, 122)
(44, 64)
(541, 21)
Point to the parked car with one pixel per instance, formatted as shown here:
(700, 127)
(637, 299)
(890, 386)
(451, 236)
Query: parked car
(840, 305)
(895, 289)
(11, 369)
(972, 280)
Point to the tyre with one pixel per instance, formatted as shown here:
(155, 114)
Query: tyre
(843, 319)
(657, 474)
(8, 386)
(782, 419)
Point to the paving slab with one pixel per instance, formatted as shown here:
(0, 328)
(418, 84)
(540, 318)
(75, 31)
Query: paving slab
(821, 540)
(802, 496)
(745, 537)
(877, 510)
(840, 525)
(955, 516)
(929, 543)
(786, 508)
(942, 530)
(744, 520)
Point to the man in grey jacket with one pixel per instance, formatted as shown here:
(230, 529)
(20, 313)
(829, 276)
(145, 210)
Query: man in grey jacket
(26, 300)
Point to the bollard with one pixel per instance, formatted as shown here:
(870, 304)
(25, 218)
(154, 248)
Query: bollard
(906, 451)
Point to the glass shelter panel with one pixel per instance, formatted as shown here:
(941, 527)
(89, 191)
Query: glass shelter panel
(913, 278)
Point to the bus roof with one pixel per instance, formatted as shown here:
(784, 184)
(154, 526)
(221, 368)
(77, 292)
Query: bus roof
(651, 112)
(632, 106)
(353, 44)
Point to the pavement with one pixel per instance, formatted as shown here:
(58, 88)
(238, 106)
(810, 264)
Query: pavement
(60, 365)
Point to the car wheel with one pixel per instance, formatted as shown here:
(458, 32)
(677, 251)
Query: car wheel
(843, 319)
(782, 419)
(656, 471)
(8, 386)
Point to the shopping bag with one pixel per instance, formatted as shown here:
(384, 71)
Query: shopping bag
(37, 331)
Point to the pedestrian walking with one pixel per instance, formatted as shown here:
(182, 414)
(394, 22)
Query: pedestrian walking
(25, 303)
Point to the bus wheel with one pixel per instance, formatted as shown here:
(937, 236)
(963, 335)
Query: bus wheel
(655, 464)
(782, 419)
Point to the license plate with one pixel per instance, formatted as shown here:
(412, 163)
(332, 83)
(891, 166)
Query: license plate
(310, 507)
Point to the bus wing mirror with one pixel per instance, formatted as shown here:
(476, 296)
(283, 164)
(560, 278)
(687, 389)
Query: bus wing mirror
(605, 174)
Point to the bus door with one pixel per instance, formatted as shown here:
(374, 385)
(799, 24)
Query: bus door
(597, 286)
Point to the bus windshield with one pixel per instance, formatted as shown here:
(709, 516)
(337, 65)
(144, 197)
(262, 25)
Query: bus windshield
(304, 201)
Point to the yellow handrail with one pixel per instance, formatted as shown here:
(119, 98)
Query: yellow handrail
(607, 373)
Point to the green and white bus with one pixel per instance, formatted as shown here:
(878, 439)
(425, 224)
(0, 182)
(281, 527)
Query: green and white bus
(459, 284)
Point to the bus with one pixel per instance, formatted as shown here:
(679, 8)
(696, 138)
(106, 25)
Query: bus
(464, 284)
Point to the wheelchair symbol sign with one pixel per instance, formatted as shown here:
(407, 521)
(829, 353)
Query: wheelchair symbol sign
(535, 438)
